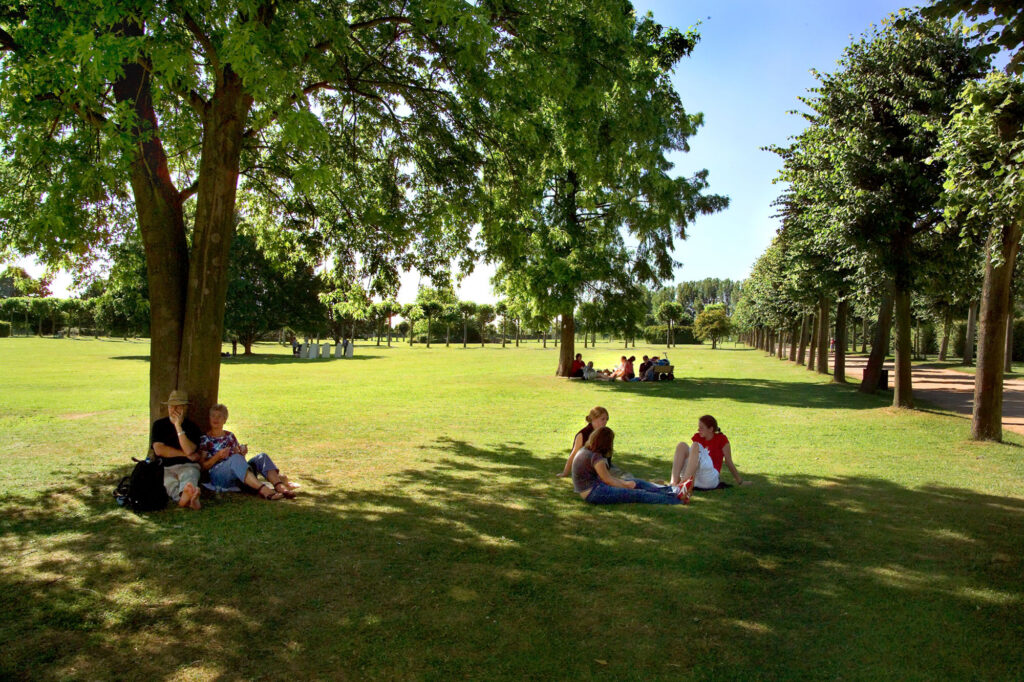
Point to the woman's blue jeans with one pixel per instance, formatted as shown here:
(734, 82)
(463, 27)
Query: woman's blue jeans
(646, 493)
(229, 474)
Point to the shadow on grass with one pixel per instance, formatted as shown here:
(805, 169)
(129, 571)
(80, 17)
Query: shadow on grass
(475, 561)
(752, 390)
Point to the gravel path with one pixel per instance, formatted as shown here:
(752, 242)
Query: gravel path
(952, 390)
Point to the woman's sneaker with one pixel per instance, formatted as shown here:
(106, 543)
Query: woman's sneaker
(685, 489)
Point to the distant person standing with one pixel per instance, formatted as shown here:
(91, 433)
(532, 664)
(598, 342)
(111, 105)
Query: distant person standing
(174, 439)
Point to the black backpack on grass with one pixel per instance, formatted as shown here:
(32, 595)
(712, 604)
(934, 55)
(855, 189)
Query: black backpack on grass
(144, 489)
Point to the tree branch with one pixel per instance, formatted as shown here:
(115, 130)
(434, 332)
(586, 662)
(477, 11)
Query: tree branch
(7, 43)
(188, 191)
(193, 98)
(378, 21)
(208, 49)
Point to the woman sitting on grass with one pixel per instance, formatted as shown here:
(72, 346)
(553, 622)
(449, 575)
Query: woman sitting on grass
(224, 458)
(596, 418)
(595, 483)
(698, 466)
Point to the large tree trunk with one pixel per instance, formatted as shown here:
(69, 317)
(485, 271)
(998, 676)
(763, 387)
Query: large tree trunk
(903, 393)
(568, 349)
(947, 325)
(823, 335)
(162, 227)
(839, 367)
(223, 131)
(987, 417)
(793, 341)
(879, 346)
(972, 321)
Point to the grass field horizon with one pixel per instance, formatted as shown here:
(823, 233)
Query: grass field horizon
(431, 538)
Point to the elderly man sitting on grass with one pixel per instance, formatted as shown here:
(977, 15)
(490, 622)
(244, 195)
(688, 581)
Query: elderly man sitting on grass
(174, 439)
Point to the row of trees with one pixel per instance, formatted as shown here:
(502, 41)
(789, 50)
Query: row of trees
(902, 192)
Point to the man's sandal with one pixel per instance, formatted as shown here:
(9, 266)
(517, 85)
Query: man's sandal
(283, 488)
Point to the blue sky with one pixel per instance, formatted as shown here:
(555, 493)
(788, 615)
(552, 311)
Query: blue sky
(753, 61)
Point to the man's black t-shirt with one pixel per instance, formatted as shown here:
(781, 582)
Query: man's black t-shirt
(164, 431)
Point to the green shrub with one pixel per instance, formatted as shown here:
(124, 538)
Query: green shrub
(655, 334)
(1018, 340)
(684, 334)
(929, 339)
(5, 329)
(958, 338)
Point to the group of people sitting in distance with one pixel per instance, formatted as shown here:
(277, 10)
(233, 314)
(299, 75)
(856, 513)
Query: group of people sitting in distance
(696, 466)
(623, 371)
(187, 454)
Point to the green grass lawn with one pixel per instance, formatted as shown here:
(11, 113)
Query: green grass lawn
(431, 539)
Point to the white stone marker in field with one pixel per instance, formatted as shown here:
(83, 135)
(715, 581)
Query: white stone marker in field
(348, 350)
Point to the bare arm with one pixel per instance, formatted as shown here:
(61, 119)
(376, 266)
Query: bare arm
(727, 451)
(188, 448)
(576, 445)
(218, 456)
(606, 477)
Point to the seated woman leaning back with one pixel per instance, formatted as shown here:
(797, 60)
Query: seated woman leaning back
(698, 466)
(224, 458)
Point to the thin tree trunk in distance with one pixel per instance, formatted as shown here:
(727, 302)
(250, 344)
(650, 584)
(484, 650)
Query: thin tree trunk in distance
(947, 324)
(972, 321)
(823, 335)
(879, 346)
(839, 367)
(1008, 362)
(812, 353)
(987, 417)
(801, 355)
